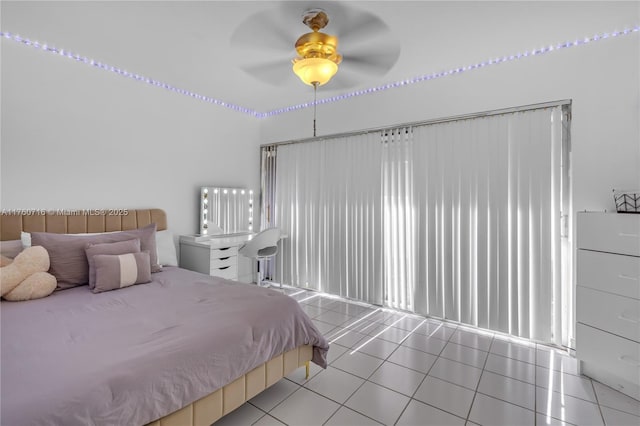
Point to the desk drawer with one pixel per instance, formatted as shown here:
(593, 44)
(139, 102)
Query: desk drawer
(615, 314)
(228, 272)
(223, 262)
(610, 232)
(613, 273)
(217, 253)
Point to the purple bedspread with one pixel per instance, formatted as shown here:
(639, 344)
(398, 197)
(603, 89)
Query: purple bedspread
(136, 354)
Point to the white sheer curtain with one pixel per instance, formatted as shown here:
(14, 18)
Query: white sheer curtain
(459, 220)
(399, 218)
(472, 222)
(328, 202)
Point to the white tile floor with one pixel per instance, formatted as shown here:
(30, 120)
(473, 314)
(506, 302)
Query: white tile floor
(393, 368)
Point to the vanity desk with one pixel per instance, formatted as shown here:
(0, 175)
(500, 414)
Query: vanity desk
(217, 256)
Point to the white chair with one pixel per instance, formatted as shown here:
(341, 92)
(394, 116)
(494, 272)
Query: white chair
(262, 246)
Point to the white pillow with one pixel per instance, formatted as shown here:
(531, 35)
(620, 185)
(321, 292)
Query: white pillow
(166, 248)
(25, 237)
(164, 244)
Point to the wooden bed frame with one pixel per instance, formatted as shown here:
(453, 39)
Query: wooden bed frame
(220, 402)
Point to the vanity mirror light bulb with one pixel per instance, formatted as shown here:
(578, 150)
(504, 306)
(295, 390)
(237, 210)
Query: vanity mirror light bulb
(206, 201)
(205, 212)
(206, 190)
(250, 227)
(242, 192)
(234, 191)
(225, 191)
(215, 191)
(204, 231)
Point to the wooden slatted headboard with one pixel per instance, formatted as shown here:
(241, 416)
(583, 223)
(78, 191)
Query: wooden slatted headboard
(13, 222)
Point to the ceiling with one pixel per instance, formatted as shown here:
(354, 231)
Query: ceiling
(188, 43)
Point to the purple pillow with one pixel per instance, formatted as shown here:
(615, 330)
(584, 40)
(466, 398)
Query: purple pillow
(10, 248)
(68, 261)
(121, 247)
(119, 271)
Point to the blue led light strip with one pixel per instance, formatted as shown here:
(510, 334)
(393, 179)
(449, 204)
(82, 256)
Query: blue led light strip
(337, 98)
(138, 77)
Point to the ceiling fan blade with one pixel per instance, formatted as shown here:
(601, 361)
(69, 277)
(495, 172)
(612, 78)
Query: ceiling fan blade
(376, 59)
(275, 72)
(377, 65)
(264, 31)
(361, 29)
(343, 80)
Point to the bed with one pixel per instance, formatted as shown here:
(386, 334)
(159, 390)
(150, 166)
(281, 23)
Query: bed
(183, 349)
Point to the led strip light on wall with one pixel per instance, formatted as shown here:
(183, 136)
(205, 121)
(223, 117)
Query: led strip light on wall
(454, 71)
(83, 59)
(257, 114)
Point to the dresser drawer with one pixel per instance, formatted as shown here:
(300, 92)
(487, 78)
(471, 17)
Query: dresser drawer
(613, 273)
(609, 312)
(610, 232)
(228, 272)
(608, 355)
(217, 253)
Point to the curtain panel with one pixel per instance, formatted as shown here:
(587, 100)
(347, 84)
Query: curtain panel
(459, 220)
(327, 201)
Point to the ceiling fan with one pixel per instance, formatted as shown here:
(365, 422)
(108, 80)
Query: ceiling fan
(269, 43)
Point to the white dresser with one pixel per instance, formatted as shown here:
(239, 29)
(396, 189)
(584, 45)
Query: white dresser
(217, 256)
(608, 299)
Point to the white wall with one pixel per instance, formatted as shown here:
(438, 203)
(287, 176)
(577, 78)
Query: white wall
(602, 79)
(75, 137)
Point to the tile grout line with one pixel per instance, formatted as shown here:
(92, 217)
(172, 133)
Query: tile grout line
(279, 403)
(259, 418)
(475, 393)
(535, 387)
(366, 380)
(347, 372)
(413, 332)
(424, 378)
(597, 402)
(444, 380)
(357, 318)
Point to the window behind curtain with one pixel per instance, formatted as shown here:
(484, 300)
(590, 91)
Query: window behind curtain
(460, 219)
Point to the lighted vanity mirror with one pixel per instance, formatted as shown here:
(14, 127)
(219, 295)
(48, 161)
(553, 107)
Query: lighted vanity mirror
(225, 210)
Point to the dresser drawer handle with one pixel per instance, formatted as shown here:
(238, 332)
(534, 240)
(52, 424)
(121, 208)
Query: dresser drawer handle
(627, 319)
(623, 234)
(223, 267)
(629, 360)
(224, 248)
(224, 258)
(628, 277)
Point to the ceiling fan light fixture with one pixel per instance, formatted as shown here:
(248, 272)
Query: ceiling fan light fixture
(318, 57)
(315, 71)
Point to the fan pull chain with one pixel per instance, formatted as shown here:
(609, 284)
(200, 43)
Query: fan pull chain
(315, 93)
